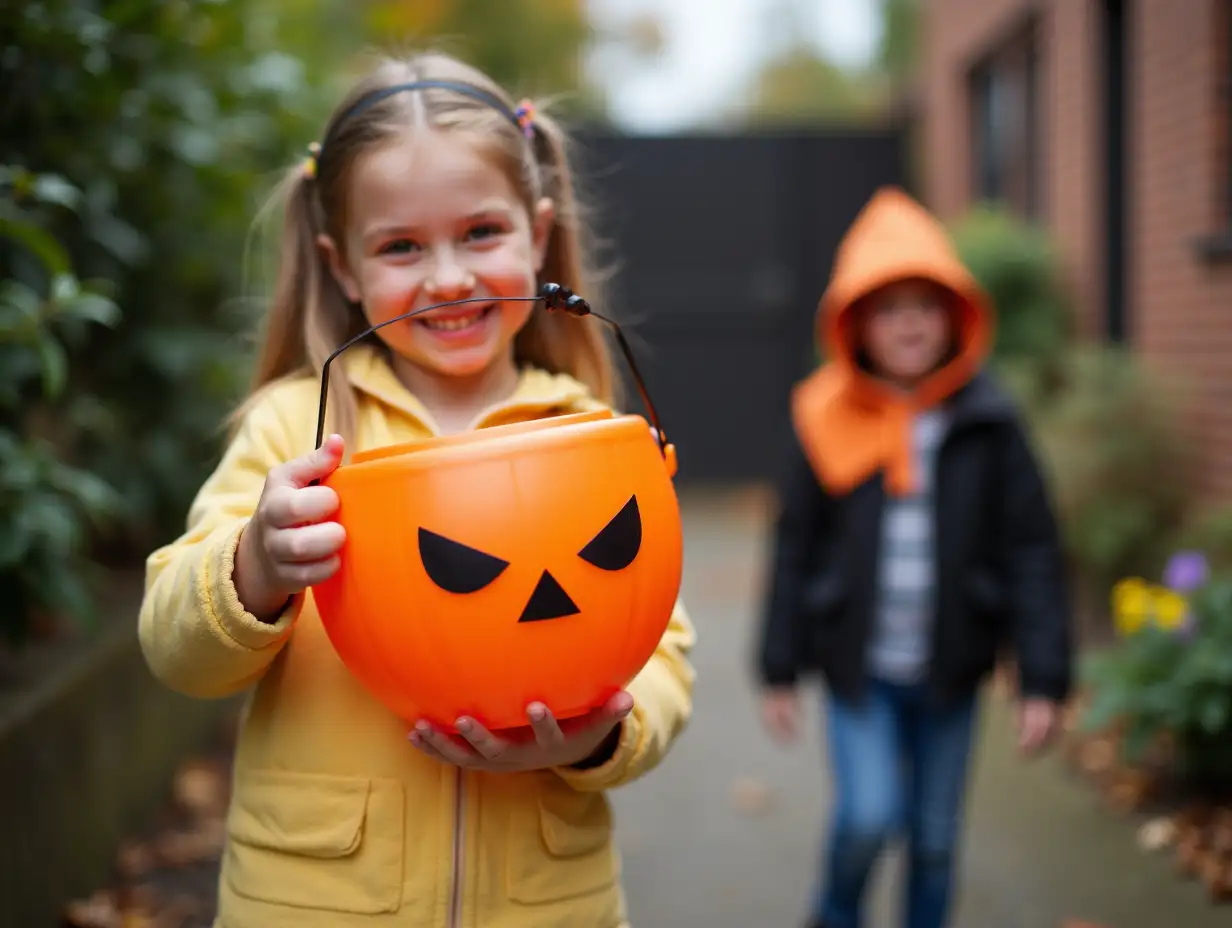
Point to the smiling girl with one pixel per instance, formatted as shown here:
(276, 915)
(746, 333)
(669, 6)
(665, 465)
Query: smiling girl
(429, 185)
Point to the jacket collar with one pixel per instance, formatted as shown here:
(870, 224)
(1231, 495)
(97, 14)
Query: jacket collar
(982, 400)
(537, 391)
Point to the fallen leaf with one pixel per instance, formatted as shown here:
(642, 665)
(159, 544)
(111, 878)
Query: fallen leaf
(1189, 855)
(1212, 872)
(1156, 834)
(1223, 892)
(200, 788)
(100, 910)
(750, 796)
(1098, 755)
(177, 913)
(135, 858)
(182, 848)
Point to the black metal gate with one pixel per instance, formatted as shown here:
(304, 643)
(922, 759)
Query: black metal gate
(724, 246)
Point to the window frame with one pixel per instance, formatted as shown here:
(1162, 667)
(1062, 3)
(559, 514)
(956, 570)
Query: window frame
(1012, 67)
(1217, 246)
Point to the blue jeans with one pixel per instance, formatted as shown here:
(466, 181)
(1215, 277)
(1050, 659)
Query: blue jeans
(899, 764)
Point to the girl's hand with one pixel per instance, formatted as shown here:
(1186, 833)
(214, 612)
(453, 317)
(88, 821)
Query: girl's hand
(552, 745)
(1038, 721)
(780, 713)
(287, 546)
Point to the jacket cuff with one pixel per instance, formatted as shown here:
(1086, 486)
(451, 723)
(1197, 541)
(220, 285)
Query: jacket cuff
(227, 614)
(611, 772)
(778, 677)
(1056, 689)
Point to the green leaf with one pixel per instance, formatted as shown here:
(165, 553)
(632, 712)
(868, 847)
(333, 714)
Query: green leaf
(1214, 713)
(93, 307)
(54, 366)
(41, 243)
(53, 521)
(51, 188)
(92, 493)
(64, 287)
(22, 306)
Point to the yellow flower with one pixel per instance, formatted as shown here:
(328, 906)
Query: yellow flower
(1131, 604)
(1169, 609)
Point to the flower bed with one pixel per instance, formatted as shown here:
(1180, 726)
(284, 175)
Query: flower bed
(1153, 727)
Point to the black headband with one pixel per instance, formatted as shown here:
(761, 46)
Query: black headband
(522, 117)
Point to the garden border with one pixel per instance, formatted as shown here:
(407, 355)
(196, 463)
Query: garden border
(87, 755)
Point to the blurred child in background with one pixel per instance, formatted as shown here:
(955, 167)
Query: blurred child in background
(915, 537)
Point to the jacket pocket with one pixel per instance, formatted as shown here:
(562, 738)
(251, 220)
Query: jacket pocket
(568, 851)
(824, 596)
(985, 597)
(315, 841)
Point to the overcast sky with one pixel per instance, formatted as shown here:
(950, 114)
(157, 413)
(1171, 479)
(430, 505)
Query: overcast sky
(713, 46)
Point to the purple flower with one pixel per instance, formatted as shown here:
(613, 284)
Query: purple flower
(1186, 571)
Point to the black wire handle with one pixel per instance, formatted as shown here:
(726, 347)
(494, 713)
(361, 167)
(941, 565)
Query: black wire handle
(554, 297)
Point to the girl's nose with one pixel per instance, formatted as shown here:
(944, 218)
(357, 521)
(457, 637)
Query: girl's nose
(449, 280)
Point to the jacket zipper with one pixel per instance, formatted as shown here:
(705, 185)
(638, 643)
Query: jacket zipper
(454, 918)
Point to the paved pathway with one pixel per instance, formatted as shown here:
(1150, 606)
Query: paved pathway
(699, 853)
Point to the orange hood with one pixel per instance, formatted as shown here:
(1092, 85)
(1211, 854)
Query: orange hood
(851, 424)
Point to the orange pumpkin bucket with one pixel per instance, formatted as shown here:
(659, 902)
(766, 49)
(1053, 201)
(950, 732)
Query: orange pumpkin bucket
(487, 570)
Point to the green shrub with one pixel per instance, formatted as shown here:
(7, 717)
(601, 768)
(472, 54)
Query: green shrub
(45, 501)
(1110, 438)
(1019, 267)
(167, 122)
(1106, 426)
(1209, 529)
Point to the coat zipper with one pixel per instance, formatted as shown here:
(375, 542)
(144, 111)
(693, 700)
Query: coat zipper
(454, 919)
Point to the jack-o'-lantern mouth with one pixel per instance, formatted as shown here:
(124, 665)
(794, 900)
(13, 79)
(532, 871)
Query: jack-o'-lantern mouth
(458, 568)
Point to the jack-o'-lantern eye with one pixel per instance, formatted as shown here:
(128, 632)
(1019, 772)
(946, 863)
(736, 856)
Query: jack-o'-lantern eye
(455, 567)
(615, 547)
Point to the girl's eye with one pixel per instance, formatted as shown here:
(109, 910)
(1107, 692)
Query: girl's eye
(399, 246)
(484, 230)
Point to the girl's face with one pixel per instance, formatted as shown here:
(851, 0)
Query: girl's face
(906, 331)
(430, 221)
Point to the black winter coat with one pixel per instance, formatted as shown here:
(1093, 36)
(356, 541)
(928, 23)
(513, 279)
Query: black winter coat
(1000, 572)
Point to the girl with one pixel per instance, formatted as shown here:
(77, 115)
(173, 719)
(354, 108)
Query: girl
(914, 536)
(428, 186)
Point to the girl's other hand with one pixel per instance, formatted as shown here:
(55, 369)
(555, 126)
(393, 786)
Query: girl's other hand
(553, 744)
(1038, 722)
(288, 546)
(780, 713)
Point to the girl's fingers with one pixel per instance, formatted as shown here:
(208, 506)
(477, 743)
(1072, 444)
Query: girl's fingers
(310, 505)
(299, 576)
(421, 744)
(317, 465)
(289, 508)
(307, 543)
(543, 723)
(444, 745)
(483, 741)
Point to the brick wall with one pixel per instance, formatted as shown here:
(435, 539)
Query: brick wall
(1179, 305)
(1182, 310)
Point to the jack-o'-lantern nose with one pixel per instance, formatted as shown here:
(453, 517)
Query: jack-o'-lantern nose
(548, 601)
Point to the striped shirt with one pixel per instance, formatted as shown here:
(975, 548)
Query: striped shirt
(900, 646)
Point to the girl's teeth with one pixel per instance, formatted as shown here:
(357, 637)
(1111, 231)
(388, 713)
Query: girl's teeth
(452, 325)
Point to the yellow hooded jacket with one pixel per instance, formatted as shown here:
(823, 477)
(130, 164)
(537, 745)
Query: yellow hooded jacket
(336, 820)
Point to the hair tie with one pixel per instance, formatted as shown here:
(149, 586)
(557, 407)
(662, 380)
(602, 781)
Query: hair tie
(310, 163)
(525, 113)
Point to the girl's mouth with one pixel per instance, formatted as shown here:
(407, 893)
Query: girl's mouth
(457, 322)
